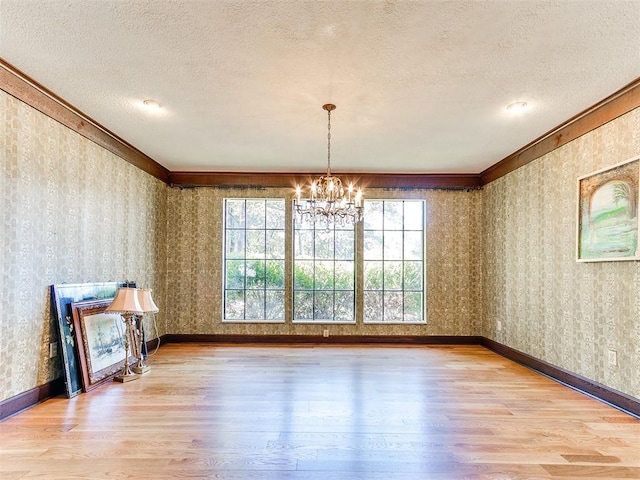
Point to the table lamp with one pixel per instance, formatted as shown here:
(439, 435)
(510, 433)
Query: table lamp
(148, 306)
(127, 304)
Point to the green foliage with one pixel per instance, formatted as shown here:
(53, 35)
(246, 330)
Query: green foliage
(621, 192)
(609, 214)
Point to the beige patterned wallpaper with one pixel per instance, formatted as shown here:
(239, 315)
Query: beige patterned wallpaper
(71, 212)
(195, 265)
(566, 313)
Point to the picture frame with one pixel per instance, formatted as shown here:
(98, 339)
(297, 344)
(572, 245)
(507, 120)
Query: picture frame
(608, 229)
(62, 296)
(100, 340)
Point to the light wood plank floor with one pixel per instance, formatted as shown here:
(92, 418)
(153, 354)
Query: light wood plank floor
(324, 413)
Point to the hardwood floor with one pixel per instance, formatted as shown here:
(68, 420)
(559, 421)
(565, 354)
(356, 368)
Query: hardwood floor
(330, 413)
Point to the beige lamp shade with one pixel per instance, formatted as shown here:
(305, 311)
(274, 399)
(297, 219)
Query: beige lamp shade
(125, 301)
(146, 301)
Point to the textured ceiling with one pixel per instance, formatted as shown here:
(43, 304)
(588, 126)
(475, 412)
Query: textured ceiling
(421, 86)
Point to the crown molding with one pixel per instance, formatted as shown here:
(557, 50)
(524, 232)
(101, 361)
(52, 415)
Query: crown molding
(29, 91)
(612, 107)
(286, 179)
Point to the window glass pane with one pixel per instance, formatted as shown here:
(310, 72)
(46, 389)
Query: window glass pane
(392, 215)
(303, 275)
(392, 275)
(393, 307)
(303, 244)
(392, 245)
(255, 304)
(323, 306)
(255, 274)
(235, 243)
(344, 245)
(372, 306)
(344, 275)
(413, 215)
(256, 214)
(235, 213)
(373, 245)
(275, 244)
(275, 305)
(413, 306)
(324, 246)
(275, 214)
(274, 275)
(413, 276)
(234, 274)
(413, 245)
(373, 215)
(234, 304)
(255, 243)
(303, 305)
(373, 273)
(324, 275)
(344, 306)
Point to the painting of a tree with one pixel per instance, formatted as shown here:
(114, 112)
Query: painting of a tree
(608, 214)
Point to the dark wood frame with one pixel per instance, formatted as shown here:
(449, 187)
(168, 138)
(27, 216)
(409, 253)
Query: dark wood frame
(81, 312)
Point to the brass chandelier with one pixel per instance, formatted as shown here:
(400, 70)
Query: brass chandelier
(328, 203)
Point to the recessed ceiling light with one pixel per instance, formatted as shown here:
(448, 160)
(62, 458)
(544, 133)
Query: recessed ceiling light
(151, 104)
(517, 107)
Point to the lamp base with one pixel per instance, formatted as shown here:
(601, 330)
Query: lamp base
(140, 370)
(126, 377)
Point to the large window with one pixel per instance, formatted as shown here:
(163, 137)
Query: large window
(393, 261)
(323, 273)
(254, 260)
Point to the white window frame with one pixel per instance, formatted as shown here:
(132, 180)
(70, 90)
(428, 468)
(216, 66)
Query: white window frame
(319, 229)
(265, 258)
(423, 260)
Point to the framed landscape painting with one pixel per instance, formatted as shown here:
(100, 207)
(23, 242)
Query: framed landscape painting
(100, 340)
(608, 227)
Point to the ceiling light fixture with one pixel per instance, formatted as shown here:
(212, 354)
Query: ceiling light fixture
(326, 202)
(517, 107)
(151, 104)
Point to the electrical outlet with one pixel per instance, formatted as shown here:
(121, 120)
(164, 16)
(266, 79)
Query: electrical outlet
(53, 350)
(613, 358)
(325, 333)
(499, 325)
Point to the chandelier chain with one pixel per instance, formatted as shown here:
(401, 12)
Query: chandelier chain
(329, 144)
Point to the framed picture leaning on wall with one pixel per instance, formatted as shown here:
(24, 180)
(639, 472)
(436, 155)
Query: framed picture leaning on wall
(100, 340)
(62, 296)
(607, 226)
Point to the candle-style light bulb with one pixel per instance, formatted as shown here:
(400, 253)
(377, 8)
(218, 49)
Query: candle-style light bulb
(358, 197)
